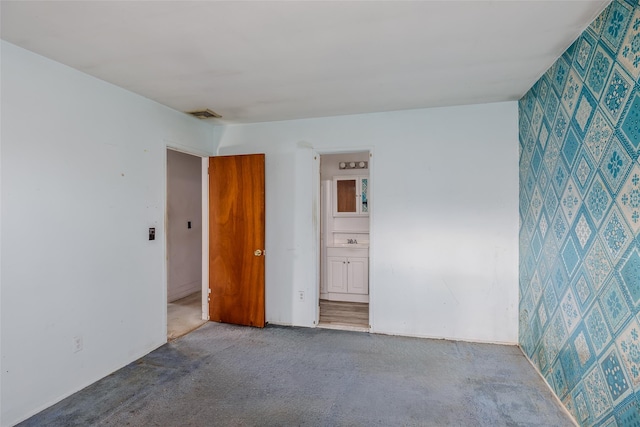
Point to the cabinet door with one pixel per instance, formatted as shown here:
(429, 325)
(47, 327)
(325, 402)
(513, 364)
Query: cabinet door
(350, 196)
(337, 274)
(346, 191)
(358, 275)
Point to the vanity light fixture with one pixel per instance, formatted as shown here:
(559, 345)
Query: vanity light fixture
(353, 165)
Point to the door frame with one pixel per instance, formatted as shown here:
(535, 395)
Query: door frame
(205, 237)
(317, 152)
(204, 156)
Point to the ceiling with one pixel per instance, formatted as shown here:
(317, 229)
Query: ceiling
(253, 61)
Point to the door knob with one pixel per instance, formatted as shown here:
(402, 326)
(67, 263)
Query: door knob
(257, 252)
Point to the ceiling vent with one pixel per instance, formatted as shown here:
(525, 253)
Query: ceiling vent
(205, 114)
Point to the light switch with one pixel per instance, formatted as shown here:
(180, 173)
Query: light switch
(152, 233)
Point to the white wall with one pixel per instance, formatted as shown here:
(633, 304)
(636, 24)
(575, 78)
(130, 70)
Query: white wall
(444, 222)
(83, 178)
(184, 244)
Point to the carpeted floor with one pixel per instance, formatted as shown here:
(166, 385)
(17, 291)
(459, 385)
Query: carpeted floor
(225, 375)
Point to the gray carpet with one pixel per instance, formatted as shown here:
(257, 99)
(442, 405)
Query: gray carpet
(224, 375)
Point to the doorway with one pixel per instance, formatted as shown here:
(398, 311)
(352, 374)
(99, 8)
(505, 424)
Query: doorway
(184, 243)
(344, 241)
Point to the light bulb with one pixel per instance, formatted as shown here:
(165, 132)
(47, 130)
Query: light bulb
(342, 165)
(352, 164)
(361, 164)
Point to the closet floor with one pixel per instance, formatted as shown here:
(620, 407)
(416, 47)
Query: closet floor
(184, 315)
(339, 313)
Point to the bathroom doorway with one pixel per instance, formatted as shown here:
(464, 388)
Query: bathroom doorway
(344, 241)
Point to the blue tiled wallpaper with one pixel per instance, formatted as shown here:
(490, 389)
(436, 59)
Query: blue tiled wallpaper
(580, 221)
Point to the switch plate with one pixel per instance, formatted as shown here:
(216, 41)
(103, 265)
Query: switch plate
(300, 295)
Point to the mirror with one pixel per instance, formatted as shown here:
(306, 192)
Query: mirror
(346, 195)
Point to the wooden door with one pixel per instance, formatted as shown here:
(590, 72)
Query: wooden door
(236, 239)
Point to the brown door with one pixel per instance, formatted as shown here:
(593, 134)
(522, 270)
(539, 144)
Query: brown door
(236, 239)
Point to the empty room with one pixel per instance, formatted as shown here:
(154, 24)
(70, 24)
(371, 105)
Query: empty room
(320, 213)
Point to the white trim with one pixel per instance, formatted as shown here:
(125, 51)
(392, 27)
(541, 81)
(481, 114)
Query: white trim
(317, 197)
(205, 238)
(436, 337)
(165, 263)
(372, 211)
(176, 146)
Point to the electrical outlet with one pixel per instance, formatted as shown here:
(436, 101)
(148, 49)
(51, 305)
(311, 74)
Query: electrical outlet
(300, 295)
(77, 343)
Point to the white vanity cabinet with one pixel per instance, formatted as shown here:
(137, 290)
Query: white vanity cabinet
(350, 196)
(348, 272)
